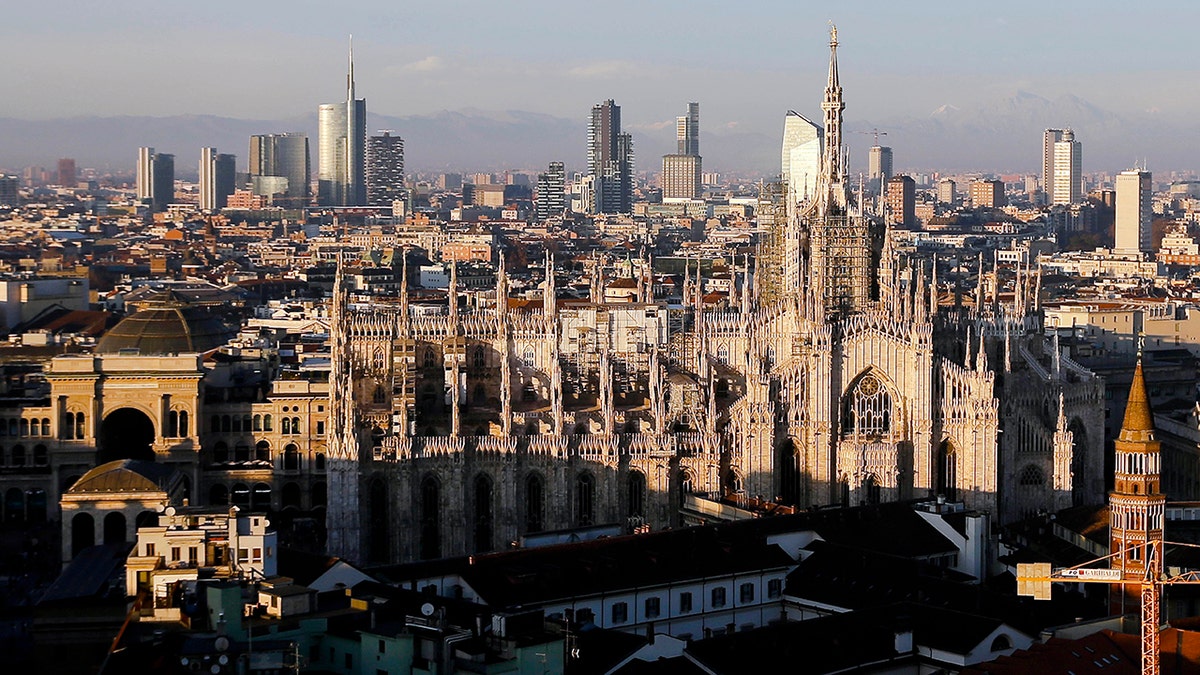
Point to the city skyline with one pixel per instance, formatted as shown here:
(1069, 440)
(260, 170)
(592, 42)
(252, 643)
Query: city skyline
(947, 61)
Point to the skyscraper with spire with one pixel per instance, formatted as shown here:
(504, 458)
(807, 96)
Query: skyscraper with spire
(342, 148)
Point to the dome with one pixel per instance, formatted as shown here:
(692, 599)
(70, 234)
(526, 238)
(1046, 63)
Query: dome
(165, 328)
(124, 475)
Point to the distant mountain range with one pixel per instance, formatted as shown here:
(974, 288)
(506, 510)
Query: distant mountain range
(1003, 136)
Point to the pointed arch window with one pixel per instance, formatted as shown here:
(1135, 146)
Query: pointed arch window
(535, 502)
(1032, 476)
(868, 408)
(947, 471)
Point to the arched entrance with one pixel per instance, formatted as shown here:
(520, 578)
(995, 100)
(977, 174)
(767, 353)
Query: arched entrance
(83, 532)
(126, 433)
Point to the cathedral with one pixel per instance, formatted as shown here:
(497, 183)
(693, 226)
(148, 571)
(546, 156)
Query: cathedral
(841, 376)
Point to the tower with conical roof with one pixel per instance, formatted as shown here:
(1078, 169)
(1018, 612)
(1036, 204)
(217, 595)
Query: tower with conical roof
(1137, 506)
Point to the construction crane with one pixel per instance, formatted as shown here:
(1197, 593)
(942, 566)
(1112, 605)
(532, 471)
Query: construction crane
(875, 132)
(1034, 579)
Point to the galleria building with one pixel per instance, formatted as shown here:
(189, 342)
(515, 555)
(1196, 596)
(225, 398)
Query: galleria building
(838, 376)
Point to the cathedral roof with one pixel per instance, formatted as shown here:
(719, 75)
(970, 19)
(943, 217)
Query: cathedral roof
(1139, 419)
(166, 327)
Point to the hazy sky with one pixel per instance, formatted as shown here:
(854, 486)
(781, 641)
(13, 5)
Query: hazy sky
(746, 62)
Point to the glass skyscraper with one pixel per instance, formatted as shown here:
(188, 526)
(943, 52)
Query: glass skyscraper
(280, 168)
(801, 155)
(342, 146)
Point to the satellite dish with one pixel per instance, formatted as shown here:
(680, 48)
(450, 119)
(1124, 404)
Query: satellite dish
(427, 609)
(221, 643)
(170, 511)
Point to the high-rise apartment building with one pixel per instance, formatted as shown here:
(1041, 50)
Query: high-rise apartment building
(218, 176)
(902, 201)
(1049, 138)
(801, 155)
(66, 172)
(947, 191)
(342, 145)
(385, 169)
(280, 168)
(987, 194)
(551, 198)
(1067, 169)
(155, 178)
(9, 190)
(1134, 212)
(682, 171)
(610, 160)
(879, 164)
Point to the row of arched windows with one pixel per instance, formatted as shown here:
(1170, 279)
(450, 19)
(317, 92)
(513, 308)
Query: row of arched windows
(17, 456)
(292, 460)
(257, 497)
(240, 423)
(24, 507)
(26, 427)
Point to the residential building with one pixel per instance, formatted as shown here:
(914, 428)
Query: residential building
(610, 160)
(155, 178)
(385, 170)
(902, 201)
(1068, 170)
(1134, 212)
(218, 176)
(1049, 138)
(987, 194)
(66, 172)
(946, 192)
(550, 197)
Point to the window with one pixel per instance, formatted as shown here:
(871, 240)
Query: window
(174, 554)
(243, 555)
(718, 597)
(685, 602)
(652, 608)
(746, 592)
(774, 588)
(620, 612)
(193, 555)
(257, 554)
(382, 647)
(349, 660)
(150, 550)
(320, 427)
(267, 423)
(257, 423)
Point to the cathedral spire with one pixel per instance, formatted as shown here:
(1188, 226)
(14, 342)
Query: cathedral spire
(833, 106)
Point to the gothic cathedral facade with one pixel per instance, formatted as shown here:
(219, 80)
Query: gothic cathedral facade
(850, 383)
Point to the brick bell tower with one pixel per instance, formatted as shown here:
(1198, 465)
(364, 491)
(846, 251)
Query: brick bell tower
(1137, 506)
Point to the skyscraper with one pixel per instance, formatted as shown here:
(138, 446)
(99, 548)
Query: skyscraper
(879, 164)
(551, 197)
(385, 169)
(801, 155)
(217, 178)
(1134, 212)
(1068, 170)
(946, 189)
(682, 170)
(342, 144)
(610, 160)
(1049, 138)
(687, 131)
(155, 178)
(66, 172)
(280, 168)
